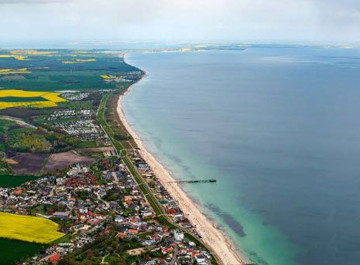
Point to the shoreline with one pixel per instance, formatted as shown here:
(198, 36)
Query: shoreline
(220, 244)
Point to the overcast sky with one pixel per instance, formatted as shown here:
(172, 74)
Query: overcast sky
(283, 21)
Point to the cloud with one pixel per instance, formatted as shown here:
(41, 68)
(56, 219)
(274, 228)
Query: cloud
(31, 1)
(176, 20)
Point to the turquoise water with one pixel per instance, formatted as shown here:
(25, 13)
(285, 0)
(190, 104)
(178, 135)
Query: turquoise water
(278, 128)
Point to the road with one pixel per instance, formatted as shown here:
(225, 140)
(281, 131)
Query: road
(18, 121)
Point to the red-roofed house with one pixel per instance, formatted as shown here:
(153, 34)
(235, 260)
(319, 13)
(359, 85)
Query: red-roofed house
(122, 235)
(133, 231)
(54, 259)
(18, 191)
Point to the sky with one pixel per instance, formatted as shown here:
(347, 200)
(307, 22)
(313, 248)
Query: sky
(264, 21)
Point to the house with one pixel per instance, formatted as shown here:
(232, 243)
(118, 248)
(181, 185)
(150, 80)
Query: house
(133, 231)
(61, 214)
(119, 219)
(122, 235)
(200, 259)
(178, 235)
(93, 221)
(142, 165)
(54, 259)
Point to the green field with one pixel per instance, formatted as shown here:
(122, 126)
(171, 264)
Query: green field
(5, 124)
(23, 99)
(52, 72)
(13, 251)
(25, 139)
(7, 181)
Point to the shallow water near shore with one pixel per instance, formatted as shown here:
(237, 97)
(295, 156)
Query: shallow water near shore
(277, 127)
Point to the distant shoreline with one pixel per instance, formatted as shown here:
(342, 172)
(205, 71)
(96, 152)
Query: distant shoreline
(216, 239)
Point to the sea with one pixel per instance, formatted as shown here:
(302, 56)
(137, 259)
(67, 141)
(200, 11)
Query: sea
(277, 127)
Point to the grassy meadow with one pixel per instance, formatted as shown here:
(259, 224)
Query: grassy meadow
(24, 139)
(13, 251)
(8, 181)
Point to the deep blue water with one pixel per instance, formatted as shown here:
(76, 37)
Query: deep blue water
(278, 127)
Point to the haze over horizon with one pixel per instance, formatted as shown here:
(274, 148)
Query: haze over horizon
(283, 21)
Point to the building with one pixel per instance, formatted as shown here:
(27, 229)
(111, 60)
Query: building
(178, 235)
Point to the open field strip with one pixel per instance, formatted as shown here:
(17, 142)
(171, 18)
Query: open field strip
(31, 104)
(28, 228)
(80, 61)
(32, 52)
(17, 57)
(14, 71)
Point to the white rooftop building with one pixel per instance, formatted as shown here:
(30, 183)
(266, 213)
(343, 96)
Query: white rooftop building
(178, 235)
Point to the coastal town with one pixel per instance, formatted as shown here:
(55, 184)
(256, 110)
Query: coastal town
(71, 166)
(174, 132)
(103, 203)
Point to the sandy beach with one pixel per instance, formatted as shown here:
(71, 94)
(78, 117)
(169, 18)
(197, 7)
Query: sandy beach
(220, 245)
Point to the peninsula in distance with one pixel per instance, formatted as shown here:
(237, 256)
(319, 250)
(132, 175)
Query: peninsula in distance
(215, 132)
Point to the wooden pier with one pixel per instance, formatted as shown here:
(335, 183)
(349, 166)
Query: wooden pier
(194, 181)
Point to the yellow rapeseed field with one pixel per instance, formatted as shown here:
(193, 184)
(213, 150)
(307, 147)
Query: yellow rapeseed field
(23, 54)
(14, 71)
(17, 57)
(110, 76)
(31, 104)
(52, 98)
(106, 76)
(28, 228)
